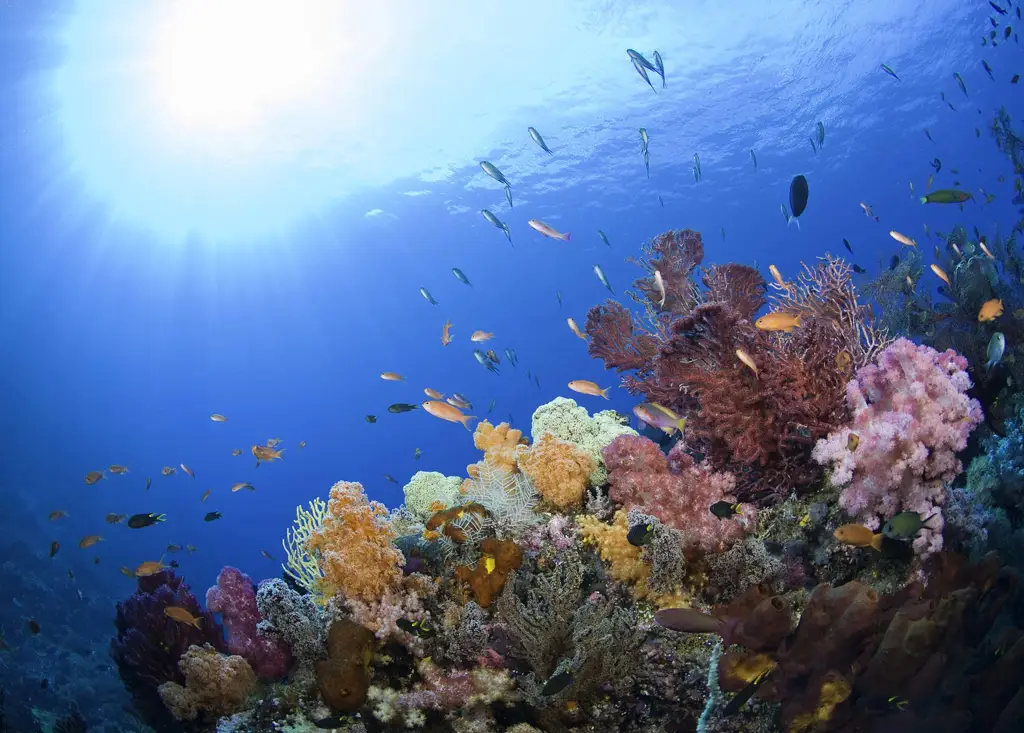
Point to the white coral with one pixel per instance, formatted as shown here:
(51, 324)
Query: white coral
(566, 420)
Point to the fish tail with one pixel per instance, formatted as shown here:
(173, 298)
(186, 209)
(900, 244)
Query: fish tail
(465, 421)
(199, 623)
(681, 424)
(604, 393)
(161, 518)
(565, 237)
(876, 541)
(924, 199)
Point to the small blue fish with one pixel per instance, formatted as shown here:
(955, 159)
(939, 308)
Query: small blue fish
(753, 158)
(461, 276)
(426, 294)
(492, 170)
(887, 70)
(491, 218)
(604, 238)
(661, 67)
(604, 280)
(538, 139)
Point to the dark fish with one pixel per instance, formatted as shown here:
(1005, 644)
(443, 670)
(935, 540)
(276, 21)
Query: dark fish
(640, 534)
(928, 134)
(890, 72)
(660, 201)
(1001, 11)
(149, 482)
(1008, 32)
(44, 684)
(905, 525)
(741, 698)
(936, 164)
(211, 516)
(858, 269)
(54, 546)
(661, 68)
(896, 549)
(390, 478)
(725, 509)
(846, 243)
(33, 626)
(333, 721)
(400, 407)
(371, 419)
(96, 560)
(1015, 79)
(417, 628)
(556, 684)
(798, 192)
(988, 69)
(138, 521)
(173, 563)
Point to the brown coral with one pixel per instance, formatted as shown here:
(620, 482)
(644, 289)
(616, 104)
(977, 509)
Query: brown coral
(344, 677)
(215, 684)
(488, 576)
(559, 470)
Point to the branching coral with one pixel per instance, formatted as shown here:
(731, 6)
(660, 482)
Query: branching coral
(559, 470)
(214, 684)
(301, 564)
(911, 415)
(354, 545)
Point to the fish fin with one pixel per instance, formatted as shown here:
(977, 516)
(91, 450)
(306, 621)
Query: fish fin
(876, 541)
(924, 522)
(604, 393)
(681, 425)
(796, 322)
(565, 237)
(924, 199)
(199, 623)
(161, 518)
(465, 421)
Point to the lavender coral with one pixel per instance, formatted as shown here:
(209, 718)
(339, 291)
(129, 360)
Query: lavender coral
(295, 619)
(234, 597)
(911, 414)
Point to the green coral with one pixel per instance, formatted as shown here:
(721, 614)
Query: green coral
(302, 565)
(566, 420)
(426, 487)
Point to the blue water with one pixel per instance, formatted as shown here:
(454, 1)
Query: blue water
(122, 333)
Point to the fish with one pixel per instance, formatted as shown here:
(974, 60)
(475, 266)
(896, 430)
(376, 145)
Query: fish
(777, 321)
(1001, 11)
(547, 231)
(941, 274)
(461, 276)
(688, 620)
(510, 354)
(34, 626)
(814, 146)
(181, 614)
(416, 455)
(212, 516)
(89, 541)
(127, 572)
(400, 407)
(789, 219)
(54, 546)
(490, 407)
(57, 514)
(985, 249)
(508, 196)
(988, 69)
(798, 192)
(190, 549)
(852, 442)
(115, 518)
(428, 297)
(188, 471)
(744, 357)
(371, 419)
(857, 535)
(482, 359)
(420, 628)
(446, 333)
(557, 683)
(302, 444)
(481, 336)
(558, 294)
(821, 133)
(173, 548)
(389, 477)
(168, 470)
(205, 496)
(659, 285)
(267, 555)
(273, 442)
(753, 158)
(93, 477)
(858, 269)
(996, 347)
(846, 243)
(660, 68)
(640, 534)
(490, 217)
(603, 278)
(947, 196)
(538, 139)
(457, 400)
(911, 189)
(905, 525)
(266, 453)
(575, 329)
(444, 411)
(585, 386)
(867, 211)
(236, 451)
(902, 238)
(604, 237)
(491, 356)
(150, 567)
(960, 83)
(937, 165)
(725, 509)
(433, 393)
(1015, 79)
(777, 277)
(117, 469)
(391, 377)
(217, 417)
(659, 416)
(990, 310)
(242, 485)
(138, 521)
(492, 170)
(641, 65)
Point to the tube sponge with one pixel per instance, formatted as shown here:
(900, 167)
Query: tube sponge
(427, 487)
(566, 420)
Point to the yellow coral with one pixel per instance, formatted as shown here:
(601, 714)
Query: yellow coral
(301, 563)
(214, 683)
(498, 444)
(559, 470)
(354, 545)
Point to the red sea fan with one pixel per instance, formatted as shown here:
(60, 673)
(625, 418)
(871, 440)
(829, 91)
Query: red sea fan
(675, 254)
(739, 285)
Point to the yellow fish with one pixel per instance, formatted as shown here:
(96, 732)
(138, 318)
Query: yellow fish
(585, 386)
(391, 377)
(902, 239)
(852, 442)
(447, 412)
(128, 572)
(990, 310)
(150, 567)
(243, 485)
(180, 614)
(265, 453)
(778, 321)
(858, 535)
(433, 394)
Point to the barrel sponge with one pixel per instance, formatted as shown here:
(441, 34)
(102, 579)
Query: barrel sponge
(427, 487)
(566, 420)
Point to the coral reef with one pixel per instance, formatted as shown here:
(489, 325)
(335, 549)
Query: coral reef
(427, 488)
(565, 420)
(559, 470)
(215, 684)
(297, 621)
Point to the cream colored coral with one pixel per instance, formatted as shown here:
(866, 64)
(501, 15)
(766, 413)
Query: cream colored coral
(427, 487)
(214, 683)
(499, 444)
(559, 470)
(566, 420)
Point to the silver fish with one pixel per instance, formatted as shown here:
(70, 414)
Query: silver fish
(484, 361)
(637, 57)
(604, 237)
(492, 170)
(538, 139)
(604, 280)
(426, 294)
(508, 196)
(996, 347)
(643, 73)
(661, 67)
(558, 294)
(489, 216)
(821, 133)
(461, 276)
(813, 146)
(490, 407)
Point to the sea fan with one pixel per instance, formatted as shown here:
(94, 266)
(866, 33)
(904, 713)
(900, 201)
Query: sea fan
(509, 498)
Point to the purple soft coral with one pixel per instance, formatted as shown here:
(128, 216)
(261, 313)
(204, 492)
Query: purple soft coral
(234, 597)
(911, 415)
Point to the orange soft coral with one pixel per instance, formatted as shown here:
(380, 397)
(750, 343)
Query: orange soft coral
(487, 578)
(559, 470)
(214, 683)
(498, 444)
(354, 545)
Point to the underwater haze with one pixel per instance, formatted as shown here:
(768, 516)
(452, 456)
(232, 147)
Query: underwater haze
(253, 210)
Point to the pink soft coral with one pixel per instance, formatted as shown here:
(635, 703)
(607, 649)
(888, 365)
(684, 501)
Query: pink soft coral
(911, 415)
(234, 597)
(676, 490)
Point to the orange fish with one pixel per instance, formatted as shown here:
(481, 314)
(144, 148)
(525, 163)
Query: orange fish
(150, 567)
(843, 360)
(857, 535)
(777, 277)
(447, 412)
(243, 485)
(118, 469)
(585, 386)
(127, 572)
(902, 239)
(747, 360)
(547, 231)
(480, 336)
(990, 310)
(93, 476)
(433, 394)
(265, 453)
(89, 540)
(168, 471)
(391, 377)
(985, 250)
(942, 275)
(446, 333)
(180, 614)
(777, 321)
(576, 329)
(852, 442)
(57, 514)
(217, 417)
